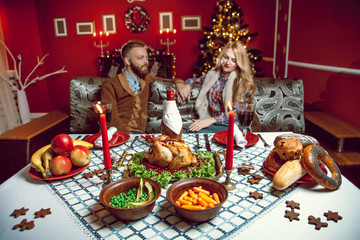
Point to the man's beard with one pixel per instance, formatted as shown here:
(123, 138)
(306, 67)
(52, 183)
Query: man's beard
(138, 71)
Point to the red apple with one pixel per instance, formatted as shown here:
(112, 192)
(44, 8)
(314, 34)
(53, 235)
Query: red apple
(60, 165)
(62, 144)
(80, 155)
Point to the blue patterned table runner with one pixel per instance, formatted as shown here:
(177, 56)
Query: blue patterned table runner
(81, 197)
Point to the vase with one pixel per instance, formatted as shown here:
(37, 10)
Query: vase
(23, 106)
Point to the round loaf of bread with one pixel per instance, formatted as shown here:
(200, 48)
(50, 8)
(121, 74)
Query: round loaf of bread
(273, 162)
(306, 140)
(289, 148)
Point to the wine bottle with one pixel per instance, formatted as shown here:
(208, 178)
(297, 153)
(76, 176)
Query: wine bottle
(171, 124)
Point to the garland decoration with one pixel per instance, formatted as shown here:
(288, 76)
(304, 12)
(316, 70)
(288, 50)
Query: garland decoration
(136, 19)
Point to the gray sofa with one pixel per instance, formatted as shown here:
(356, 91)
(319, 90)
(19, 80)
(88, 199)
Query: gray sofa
(280, 104)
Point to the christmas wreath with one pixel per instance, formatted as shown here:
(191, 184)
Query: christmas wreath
(136, 19)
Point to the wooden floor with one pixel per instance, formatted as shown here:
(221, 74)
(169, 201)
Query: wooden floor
(348, 160)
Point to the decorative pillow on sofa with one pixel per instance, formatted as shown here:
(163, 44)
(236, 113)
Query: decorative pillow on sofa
(280, 104)
(83, 92)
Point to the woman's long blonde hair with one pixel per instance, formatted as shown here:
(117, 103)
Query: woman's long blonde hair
(244, 86)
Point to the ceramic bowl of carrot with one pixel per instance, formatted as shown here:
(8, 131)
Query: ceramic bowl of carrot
(197, 199)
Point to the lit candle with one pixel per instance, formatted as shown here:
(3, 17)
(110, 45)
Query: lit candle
(94, 35)
(167, 33)
(101, 33)
(105, 141)
(230, 140)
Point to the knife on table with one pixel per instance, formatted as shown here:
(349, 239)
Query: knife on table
(207, 143)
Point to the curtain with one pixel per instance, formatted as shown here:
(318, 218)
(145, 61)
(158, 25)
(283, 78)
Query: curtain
(9, 115)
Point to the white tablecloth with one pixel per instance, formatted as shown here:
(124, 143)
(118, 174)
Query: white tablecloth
(23, 191)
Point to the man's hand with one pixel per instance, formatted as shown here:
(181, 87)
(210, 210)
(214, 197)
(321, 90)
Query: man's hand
(182, 92)
(199, 124)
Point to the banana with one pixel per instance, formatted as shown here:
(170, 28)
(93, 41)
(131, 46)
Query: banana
(36, 162)
(84, 143)
(46, 157)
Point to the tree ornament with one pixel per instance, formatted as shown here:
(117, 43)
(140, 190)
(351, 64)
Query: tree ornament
(136, 19)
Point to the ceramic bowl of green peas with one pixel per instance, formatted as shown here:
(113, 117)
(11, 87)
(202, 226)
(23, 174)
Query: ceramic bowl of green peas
(130, 199)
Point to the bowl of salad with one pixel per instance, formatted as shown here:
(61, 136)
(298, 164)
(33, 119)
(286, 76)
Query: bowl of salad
(130, 199)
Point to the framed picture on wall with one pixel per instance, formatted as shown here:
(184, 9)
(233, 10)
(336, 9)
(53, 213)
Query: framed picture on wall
(85, 28)
(109, 23)
(166, 21)
(191, 23)
(60, 27)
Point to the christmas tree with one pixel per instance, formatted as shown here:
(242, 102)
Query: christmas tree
(226, 25)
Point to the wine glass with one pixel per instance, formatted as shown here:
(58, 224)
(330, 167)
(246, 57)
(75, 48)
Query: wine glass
(245, 110)
(106, 108)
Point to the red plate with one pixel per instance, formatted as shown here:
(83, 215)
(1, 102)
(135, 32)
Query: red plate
(75, 170)
(251, 138)
(305, 179)
(117, 139)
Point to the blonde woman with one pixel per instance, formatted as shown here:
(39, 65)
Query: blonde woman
(228, 81)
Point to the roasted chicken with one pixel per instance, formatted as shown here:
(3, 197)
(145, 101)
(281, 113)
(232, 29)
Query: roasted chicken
(170, 153)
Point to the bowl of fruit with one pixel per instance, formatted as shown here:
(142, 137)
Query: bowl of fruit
(130, 199)
(197, 199)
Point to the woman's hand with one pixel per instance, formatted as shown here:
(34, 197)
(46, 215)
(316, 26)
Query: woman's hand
(182, 92)
(199, 124)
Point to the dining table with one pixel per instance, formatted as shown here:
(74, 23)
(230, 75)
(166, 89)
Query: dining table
(69, 207)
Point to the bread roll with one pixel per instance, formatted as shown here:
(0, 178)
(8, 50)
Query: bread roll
(289, 172)
(306, 140)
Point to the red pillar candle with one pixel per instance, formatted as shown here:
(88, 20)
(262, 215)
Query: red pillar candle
(105, 142)
(230, 142)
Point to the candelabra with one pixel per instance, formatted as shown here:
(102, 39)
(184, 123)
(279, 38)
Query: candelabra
(167, 43)
(101, 45)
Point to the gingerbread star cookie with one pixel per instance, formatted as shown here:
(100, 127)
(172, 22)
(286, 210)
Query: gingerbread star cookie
(292, 215)
(291, 204)
(332, 216)
(253, 181)
(18, 212)
(244, 169)
(88, 175)
(256, 195)
(24, 225)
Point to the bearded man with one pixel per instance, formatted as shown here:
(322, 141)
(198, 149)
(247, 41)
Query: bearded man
(129, 90)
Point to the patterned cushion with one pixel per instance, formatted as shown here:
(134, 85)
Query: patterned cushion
(280, 104)
(83, 92)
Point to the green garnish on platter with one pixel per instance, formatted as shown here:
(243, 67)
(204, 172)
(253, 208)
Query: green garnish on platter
(204, 168)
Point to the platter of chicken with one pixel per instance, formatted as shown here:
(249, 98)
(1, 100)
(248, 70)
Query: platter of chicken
(169, 160)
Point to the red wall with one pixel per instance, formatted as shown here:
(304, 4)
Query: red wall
(34, 36)
(327, 33)
(322, 32)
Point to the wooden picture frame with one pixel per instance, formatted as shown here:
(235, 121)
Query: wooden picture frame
(191, 23)
(60, 27)
(109, 23)
(166, 21)
(85, 28)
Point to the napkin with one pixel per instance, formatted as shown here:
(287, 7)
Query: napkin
(111, 131)
(239, 137)
(171, 116)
